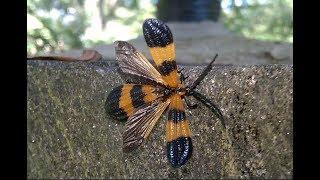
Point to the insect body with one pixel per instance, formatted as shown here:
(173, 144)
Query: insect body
(141, 105)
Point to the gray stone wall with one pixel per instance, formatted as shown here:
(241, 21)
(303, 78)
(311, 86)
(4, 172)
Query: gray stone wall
(70, 136)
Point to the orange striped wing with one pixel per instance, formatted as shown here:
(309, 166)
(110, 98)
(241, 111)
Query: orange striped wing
(179, 144)
(124, 100)
(140, 106)
(160, 42)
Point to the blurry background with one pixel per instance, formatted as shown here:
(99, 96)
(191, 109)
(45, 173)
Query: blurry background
(60, 25)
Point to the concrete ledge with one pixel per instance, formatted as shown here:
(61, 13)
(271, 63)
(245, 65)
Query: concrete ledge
(70, 136)
(196, 43)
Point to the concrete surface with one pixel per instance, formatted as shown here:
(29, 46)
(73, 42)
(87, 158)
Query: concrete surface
(197, 43)
(70, 135)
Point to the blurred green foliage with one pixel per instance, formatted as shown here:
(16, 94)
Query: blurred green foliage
(52, 28)
(57, 25)
(260, 19)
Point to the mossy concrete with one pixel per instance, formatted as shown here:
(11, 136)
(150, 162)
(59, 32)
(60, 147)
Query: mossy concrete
(71, 136)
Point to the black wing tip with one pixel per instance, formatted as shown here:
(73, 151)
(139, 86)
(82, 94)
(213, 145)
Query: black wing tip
(112, 108)
(156, 33)
(152, 21)
(176, 156)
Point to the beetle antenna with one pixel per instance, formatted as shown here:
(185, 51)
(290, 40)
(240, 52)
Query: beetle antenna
(211, 105)
(203, 75)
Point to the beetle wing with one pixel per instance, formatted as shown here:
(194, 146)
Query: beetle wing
(159, 39)
(131, 61)
(141, 123)
(179, 143)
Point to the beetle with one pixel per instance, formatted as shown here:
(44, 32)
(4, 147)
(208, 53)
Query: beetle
(142, 104)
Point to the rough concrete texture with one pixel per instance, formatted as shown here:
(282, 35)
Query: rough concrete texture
(70, 135)
(197, 43)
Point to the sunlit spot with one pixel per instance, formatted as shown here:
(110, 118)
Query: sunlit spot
(33, 23)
